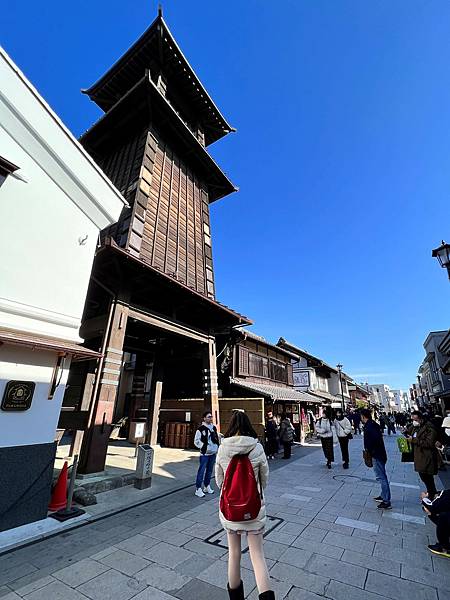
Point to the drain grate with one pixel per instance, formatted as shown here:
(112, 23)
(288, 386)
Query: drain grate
(219, 538)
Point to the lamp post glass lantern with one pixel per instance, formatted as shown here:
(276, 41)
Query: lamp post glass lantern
(443, 255)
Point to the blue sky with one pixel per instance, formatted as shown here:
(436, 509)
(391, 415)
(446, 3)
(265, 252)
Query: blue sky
(342, 155)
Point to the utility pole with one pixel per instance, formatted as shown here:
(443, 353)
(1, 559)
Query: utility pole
(339, 367)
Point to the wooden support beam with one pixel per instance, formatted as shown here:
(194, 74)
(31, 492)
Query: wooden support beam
(210, 389)
(95, 442)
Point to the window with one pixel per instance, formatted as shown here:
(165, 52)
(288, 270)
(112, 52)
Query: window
(278, 371)
(434, 370)
(258, 366)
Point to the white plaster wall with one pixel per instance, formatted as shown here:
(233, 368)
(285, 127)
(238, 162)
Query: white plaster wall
(38, 424)
(43, 281)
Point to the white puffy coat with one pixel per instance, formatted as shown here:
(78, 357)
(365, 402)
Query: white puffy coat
(343, 427)
(242, 444)
(324, 428)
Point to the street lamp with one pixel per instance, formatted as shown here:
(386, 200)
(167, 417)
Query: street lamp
(339, 368)
(443, 255)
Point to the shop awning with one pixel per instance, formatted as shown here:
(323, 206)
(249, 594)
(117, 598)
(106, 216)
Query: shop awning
(33, 340)
(325, 396)
(275, 392)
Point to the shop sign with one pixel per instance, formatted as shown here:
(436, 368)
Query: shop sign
(17, 396)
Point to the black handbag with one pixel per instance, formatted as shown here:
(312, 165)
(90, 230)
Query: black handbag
(407, 457)
(367, 459)
(350, 436)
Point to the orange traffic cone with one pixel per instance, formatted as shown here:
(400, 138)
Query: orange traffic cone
(59, 491)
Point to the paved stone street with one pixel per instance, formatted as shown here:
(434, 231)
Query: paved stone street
(326, 539)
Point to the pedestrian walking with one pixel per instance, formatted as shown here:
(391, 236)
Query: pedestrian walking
(423, 437)
(374, 446)
(324, 429)
(242, 471)
(343, 429)
(382, 422)
(271, 436)
(390, 422)
(438, 511)
(357, 422)
(207, 441)
(286, 435)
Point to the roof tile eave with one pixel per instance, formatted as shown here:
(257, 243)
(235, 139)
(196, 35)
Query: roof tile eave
(118, 65)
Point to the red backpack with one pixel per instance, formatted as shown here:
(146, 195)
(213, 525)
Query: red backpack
(240, 499)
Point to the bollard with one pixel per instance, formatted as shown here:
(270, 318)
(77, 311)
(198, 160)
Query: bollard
(144, 467)
(70, 511)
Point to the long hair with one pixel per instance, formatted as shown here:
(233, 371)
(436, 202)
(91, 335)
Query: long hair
(240, 425)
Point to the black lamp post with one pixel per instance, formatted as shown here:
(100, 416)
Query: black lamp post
(443, 255)
(339, 368)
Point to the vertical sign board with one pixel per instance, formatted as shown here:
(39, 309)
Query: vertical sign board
(139, 431)
(17, 396)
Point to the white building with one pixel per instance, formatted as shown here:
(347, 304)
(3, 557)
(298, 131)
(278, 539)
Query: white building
(53, 202)
(384, 396)
(399, 399)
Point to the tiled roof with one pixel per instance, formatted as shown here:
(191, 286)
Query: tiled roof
(325, 396)
(275, 392)
(260, 339)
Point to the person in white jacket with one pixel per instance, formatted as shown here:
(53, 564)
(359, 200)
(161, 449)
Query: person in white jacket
(324, 429)
(241, 438)
(343, 429)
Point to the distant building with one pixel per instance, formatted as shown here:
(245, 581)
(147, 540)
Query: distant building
(359, 394)
(434, 376)
(313, 375)
(383, 396)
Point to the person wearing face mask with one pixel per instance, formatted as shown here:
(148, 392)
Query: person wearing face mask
(374, 445)
(443, 443)
(423, 436)
(343, 429)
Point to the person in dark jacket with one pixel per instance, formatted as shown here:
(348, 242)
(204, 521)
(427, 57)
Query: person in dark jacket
(271, 436)
(286, 433)
(374, 444)
(423, 437)
(438, 511)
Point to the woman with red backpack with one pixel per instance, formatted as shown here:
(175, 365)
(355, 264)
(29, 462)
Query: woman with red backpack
(242, 472)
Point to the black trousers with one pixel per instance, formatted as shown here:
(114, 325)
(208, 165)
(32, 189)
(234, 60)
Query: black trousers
(287, 449)
(429, 484)
(442, 522)
(271, 446)
(327, 447)
(343, 443)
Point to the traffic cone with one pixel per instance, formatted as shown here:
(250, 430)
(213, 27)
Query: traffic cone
(59, 491)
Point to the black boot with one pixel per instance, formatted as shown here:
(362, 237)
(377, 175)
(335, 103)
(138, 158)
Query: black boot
(236, 593)
(267, 595)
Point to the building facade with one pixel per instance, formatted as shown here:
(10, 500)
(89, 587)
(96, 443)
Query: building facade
(152, 292)
(253, 367)
(382, 396)
(54, 200)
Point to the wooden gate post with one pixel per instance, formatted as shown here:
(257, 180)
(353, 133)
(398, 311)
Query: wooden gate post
(96, 438)
(210, 389)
